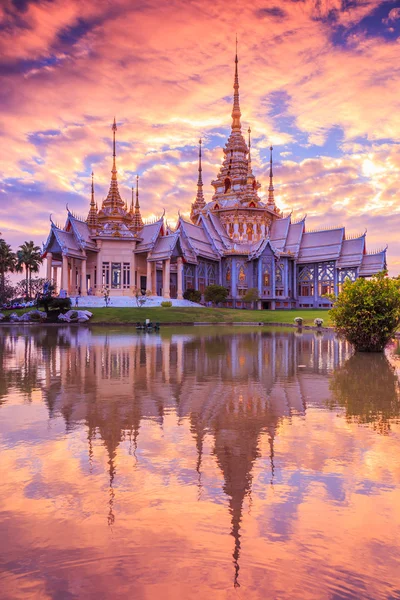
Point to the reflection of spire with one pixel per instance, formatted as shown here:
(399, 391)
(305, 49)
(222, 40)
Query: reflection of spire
(198, 431)
(112, 472)
(236, 114)
(271, 199)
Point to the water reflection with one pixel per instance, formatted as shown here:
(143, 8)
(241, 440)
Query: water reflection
(254, 404)
(368, 389)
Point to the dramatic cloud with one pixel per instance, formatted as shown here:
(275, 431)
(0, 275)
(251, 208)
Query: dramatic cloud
(318, 79)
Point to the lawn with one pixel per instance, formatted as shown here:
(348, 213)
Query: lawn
(204, 315)
(114, 315)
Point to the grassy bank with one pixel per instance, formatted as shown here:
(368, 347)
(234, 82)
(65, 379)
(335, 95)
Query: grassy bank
(204, 315)
(115, 315)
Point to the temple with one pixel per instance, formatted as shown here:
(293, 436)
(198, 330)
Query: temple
(237, 240)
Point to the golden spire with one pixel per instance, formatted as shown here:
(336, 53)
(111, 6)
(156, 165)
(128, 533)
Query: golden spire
(113, 200)
(137, 217)
(114, 168)
(236, 114)
(131, 210)
(249, 159)
(199, 196)
(92, 215)
(271, 199)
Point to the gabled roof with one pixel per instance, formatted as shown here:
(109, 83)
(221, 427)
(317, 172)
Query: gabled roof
(198, 240)
(81, 231)
(373, 263)
(352, 252)
(63, 242)
(294, 236)
(164, 247)
(259, 248)
(279, 232)
(149, 235)
(321, 245)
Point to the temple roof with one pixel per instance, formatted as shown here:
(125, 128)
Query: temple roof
(373, 263)
(199, 240)
(321, 245)
(149, 235)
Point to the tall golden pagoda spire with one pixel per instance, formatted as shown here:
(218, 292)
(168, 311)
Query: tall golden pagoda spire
(271, 199)
(249, 159)
(114, 200)
(236, 114)
(131, 209)
(137, 221)
(199, 203)
(92, 215)
(200, 196)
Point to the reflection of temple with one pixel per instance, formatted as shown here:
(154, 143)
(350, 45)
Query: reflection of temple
(234, 389)
(240, 239)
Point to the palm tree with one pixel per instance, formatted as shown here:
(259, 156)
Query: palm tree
(7, 264)
(28, 256)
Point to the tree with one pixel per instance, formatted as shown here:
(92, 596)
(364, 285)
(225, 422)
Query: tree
(215, 293)
(192, 295)
(7, 265)
(367, 312)
(251, 295)
(28, 256)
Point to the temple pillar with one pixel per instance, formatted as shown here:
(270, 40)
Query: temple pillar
(72, 279)
(83, 278)
(154, 279)
(180, 279)
(132, 279)
(166, 276)
(49, 257)
(64, 274)
(99, 273)
(148, 275)
(55, 276)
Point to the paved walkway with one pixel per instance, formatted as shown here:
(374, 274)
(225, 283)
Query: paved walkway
(128, 301)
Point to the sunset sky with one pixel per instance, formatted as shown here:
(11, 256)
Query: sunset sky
(319, 79)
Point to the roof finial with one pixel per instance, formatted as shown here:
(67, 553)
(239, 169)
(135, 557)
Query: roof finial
(236, 114)
(271, 199)
(114, 169)
(131, 210)
(92, 215)
(137, 193)
(199, 195)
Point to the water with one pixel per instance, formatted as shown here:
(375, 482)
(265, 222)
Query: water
(197, 463)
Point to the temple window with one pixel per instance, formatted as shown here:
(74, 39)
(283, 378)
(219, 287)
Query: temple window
(252, 205)
(249, 232)
(306, 281)
(189, 278)
(126, 275)
(115, 275)
(240, 229)
(211, 274)
(106, 274)
(227, 185)
(228, 274)
(346, 275)
(254, 184)
(325, 279)
(266, 278)
(242, 274)
(230, 229)
(201, 272)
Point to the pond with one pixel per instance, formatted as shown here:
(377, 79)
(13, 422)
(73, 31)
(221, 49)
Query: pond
(207, 463)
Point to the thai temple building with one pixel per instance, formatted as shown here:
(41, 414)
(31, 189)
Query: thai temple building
(236, 240)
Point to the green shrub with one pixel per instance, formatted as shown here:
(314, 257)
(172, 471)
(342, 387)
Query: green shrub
(62, 304)
(192, 295)
(251, 295)
(367, 312)
(166, 304)
(215, 293)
